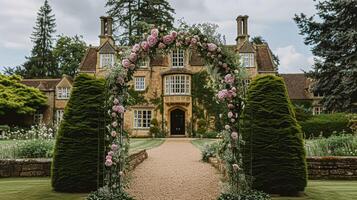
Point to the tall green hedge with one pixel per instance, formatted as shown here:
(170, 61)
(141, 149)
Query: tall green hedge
(273, 154)
(78, 156)
(325, 125)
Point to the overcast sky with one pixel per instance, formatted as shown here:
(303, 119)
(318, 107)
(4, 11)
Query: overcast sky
(271, 19)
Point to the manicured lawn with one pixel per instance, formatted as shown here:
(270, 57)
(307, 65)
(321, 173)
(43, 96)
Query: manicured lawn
(40, 188)
(200, 143)
(139, 144)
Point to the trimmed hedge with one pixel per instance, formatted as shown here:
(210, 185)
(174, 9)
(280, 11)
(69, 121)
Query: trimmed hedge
(325, 125)
(79, 149)
(273, 154)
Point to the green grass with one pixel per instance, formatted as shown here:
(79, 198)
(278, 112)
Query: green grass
(200, 143)
(40, 188)
(140, 144)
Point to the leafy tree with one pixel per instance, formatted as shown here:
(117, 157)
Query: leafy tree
(18, 100)
(273, 154)
(333, 37)
(132, 17)
(42, 63)
(69, 52)
(79, 149)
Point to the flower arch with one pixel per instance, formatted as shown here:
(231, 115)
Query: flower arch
(229, 86)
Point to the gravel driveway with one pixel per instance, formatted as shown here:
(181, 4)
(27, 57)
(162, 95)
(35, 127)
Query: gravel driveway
(174, 171)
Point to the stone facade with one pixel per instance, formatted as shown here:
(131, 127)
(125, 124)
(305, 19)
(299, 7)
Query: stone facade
(160, 77)
(57, 92)
(42, 167)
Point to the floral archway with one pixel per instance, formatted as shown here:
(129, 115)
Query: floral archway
(228, 85)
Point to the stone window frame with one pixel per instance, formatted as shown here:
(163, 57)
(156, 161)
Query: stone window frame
(59, 115)
(38, 117)
(178, 58)
(247, 59)
(139, 83)
(63, 92)
(106, 60)
(142, 118)
(177, 84)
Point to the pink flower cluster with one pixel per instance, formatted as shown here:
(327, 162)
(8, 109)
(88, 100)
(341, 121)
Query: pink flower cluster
(227, 94)
(109, 157)
(229, 79)
(118, 109)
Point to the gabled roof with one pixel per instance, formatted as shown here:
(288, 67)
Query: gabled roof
(42, 84)
(107, 48)
(89, 61)
(264, 58)
(297, 85)
(246, 47)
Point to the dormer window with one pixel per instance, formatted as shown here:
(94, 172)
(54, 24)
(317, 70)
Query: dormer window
(63, 92)
(178, 58)
(247, 59)
(106, 60)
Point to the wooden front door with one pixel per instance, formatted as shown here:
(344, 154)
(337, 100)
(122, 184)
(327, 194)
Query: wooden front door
(177, 124)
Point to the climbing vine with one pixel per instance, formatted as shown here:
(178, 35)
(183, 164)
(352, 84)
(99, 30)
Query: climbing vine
(228, 84)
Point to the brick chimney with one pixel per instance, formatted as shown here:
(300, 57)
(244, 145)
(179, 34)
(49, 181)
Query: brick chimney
(106, 30)
(242, 29)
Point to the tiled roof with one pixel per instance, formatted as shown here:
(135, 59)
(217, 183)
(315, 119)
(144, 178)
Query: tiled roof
(89, 61)
(42, 84)
(264, 58)
(297, 85)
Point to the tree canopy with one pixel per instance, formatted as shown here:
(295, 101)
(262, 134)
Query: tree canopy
(18, 99)
(332, 33)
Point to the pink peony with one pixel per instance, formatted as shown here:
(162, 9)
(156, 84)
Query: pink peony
(230, 114)
(135, 48)
(168, 39)
(108, 163)
(133, 57)
(229, 79)
(114, 147)
(111, 153)
(211, 47)
(145, 45)
(116, 101)
(155, 32)
(118, 109)
(174, 34)
(162, 45)
(235, 167)
(115, 124)
(108, 157)
(234, 135)
(126, 63)
(151, 41)
(222, 94)
(114, 133)
(227, 127)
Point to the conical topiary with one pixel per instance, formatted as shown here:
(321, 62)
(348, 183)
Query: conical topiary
(78, 156)
(273, 153)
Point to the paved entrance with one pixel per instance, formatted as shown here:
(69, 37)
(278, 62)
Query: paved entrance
(174, 171)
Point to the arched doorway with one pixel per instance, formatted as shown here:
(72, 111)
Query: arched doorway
(177, 122)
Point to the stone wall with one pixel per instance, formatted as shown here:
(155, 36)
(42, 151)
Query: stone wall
(332, 167)
(42, 167)
(335, 167)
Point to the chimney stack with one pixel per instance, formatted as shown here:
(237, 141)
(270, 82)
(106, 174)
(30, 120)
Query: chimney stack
(242, 29)
(106, 29)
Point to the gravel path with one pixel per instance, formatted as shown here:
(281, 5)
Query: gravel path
(174, 171)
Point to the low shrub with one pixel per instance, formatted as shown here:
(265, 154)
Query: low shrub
(336, 145)
(201, 127)
(37, 148)
(105, 194)
(156, 130)
(40, 131)
(248, 195)
(325, 125)
(209, 151)
(210, 134)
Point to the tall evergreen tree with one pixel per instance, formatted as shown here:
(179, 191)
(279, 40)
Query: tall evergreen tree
(42, 63)
(333, 37)
(132, 17)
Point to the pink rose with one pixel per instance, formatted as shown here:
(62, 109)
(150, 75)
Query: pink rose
(155, 32)
(145, 45)
(115, 124)
(114, 133)
(110, 153)
(118, 108)
(162, 45)
(135, 48)
(229, 79)
(230, 114)
(126, 63)
(167, 39)
(151, 40)
(174, 34)
(222, 94)
(108, 163)
(234, 135)
(114, 147)
(211, 47)
(234, 89)
(133, 57)
(108, 157)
